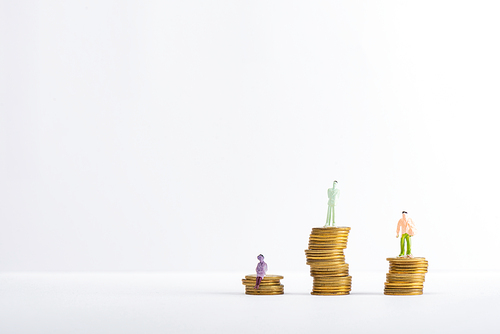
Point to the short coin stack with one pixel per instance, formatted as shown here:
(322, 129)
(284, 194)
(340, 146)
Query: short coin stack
(326, 258)
(406, 276)
(270, 285)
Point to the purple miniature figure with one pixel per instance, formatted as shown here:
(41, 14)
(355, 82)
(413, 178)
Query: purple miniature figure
(261, 270)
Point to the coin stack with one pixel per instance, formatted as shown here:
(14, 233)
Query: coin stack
(406, 276)
(326, 258)
(270, 285)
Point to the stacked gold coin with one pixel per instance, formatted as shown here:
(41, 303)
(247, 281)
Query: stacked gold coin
(326, 258)
(270, 285)
(406, 276)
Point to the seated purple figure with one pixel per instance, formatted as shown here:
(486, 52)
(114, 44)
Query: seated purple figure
(261, 270)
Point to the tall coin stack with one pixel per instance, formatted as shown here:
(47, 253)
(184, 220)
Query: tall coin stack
(270, 285)
(406, 276)
(326, 258)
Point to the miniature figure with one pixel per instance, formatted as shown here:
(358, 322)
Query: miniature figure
(407, 231)
(333, 194)
(261, 270)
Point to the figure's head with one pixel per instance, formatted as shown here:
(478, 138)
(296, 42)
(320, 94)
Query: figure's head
(335, 183)
(404, 213)
(260, 257)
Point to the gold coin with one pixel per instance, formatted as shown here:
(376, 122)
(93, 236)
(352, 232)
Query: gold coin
(268, 281)
(407, 272)
(339, 274)
(340, 282)
(406, 275)
(329, 293)
(317, 270)
(333, 280)
(328, 241)
(331, 286)
(331, 228)
(407, 261)
(405, 281)
(326, 265)
(329, 237)
(328, 233)
(263, 288)
(327, 259)
(325, 256)
(336, 279)
(403, 285)
(322, 283)
(264, 293)
(394, 290)
(332, 247)
(339, 267)
(416, 265)
(266, 278)
(250, 282)
(337, 261)
(324, 251)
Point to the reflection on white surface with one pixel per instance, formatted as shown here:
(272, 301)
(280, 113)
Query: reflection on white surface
(453, 302)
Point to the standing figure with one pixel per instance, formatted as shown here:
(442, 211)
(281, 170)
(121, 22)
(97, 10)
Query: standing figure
(407, 231)
(261, 270)
(333, 194)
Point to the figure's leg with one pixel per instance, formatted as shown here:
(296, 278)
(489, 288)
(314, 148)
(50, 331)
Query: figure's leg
(408, 244)
(402, 243)
(257, 283)
(333, 215)
(328, 217)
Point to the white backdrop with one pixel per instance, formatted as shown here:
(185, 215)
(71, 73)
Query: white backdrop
(194, 135)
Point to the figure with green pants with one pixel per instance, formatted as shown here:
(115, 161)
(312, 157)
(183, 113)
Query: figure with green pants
(407, 228)
(333, 194)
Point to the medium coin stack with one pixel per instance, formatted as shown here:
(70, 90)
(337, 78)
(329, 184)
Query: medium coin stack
(326, 258)
(270, 285)
(406, 276)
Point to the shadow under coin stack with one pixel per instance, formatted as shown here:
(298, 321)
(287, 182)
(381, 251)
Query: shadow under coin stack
(326, 258)
(406, 276)
(270, 285)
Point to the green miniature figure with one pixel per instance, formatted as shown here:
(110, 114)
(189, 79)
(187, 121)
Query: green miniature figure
(407, 227)
(333, 194)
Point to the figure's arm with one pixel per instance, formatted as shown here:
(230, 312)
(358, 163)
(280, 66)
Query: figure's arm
(412, 228)
(397, 228)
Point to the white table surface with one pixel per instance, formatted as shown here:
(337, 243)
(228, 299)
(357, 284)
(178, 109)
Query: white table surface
(453, 302)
